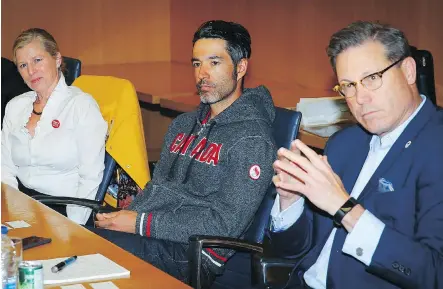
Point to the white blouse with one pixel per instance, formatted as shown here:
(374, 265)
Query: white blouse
(66, 155)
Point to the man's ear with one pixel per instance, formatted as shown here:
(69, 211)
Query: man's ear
(409, 70)
(242, 66)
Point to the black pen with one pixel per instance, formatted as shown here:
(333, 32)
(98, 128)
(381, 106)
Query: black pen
(63, 264)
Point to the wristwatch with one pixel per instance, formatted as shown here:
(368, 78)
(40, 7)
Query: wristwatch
(341, 213)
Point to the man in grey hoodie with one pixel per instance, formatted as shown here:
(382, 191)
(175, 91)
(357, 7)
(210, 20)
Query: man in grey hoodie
(215, 166)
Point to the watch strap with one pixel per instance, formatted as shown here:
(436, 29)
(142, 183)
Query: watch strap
(346, 208)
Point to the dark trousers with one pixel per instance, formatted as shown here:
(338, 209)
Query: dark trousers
(30, 192)
(170, 257)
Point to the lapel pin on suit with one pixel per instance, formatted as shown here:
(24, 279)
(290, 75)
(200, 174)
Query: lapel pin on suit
(407, 144)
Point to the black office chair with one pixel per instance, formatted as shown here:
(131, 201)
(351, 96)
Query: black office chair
(97, 205)
(286, 126)
(12, 84)
(73, 69)
(425, 73)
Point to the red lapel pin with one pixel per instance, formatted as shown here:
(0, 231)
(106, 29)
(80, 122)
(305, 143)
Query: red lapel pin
(55, 123)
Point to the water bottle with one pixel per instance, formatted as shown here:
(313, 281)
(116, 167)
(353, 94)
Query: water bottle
(9, 274)
(6, 255)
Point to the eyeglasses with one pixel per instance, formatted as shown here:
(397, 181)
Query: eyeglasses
(372, 82)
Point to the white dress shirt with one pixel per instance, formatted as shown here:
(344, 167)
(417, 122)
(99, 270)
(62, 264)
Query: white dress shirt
(67, 160)
(368, 229)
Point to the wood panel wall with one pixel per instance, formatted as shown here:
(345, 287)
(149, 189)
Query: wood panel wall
(95, 31)
(289, 37)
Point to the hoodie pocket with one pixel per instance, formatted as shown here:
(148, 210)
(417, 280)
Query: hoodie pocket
(164, 199)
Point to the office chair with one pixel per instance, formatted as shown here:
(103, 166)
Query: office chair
(425, 73)
(73, 69)
(285, 130)
(12, 84)
(97, 205)
(125, 143)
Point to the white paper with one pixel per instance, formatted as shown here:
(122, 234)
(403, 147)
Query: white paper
(325, 131)
(18, 224)
(93, 267)
(76, 286)
(103, 285)
(323, 111)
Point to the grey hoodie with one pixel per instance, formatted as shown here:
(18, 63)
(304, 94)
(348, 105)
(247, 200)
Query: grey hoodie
(212, 174)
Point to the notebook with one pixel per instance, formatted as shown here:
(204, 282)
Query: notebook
(86, 268)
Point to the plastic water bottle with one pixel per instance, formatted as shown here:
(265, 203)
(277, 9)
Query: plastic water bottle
(6, 255)
(9, 274)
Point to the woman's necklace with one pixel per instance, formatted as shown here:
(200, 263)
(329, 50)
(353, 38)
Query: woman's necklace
(37, 113)
(33, 110)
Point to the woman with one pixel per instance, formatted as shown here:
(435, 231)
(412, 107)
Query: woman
(53, 139)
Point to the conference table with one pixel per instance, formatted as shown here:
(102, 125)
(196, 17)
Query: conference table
(172, 86)
(69, 238)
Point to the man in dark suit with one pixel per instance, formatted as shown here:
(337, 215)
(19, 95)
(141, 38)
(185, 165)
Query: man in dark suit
(369, 213)
(12, 83)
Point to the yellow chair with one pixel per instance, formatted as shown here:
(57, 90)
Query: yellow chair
(119, 106)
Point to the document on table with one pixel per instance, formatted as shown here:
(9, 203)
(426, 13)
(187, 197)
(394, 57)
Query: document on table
(18, 224)
(324, 111)
(326, 130)
(93, 267)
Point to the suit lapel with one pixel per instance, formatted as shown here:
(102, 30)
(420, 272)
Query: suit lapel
(411, 132)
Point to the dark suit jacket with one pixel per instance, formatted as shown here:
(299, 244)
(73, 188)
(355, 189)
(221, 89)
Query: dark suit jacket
(410, 250)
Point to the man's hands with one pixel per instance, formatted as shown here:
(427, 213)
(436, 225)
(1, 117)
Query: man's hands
(309, 175)
(123, 221)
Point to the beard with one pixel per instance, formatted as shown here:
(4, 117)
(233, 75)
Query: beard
(218, 90)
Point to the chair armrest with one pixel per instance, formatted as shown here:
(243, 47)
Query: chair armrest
(271, 272)
(94, 205)
(107, 209)
(225, 242)
(198, 242)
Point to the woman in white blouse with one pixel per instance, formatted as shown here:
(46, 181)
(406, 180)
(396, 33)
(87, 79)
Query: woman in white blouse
(53, 139)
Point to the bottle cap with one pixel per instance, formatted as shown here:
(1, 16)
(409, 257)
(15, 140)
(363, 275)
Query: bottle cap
(4, 230)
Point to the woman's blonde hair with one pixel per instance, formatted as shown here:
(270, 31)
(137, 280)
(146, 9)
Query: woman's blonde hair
(46, 39)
